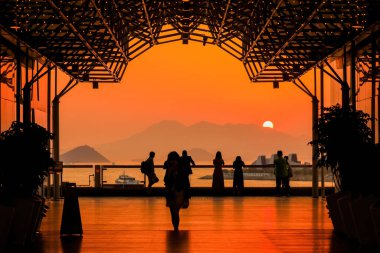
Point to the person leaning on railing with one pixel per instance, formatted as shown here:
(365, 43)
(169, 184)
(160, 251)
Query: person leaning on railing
(152, 177)
(281, 172)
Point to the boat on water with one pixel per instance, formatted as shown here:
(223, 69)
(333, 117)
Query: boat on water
(127, 180)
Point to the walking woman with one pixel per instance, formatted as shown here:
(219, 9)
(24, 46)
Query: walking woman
(176, 185)
(217, 176)
(238, 183)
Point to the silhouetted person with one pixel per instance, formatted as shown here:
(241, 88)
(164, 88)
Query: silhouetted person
(152, 178)
(217, 176)
(238, 182)
(281, 172)
(289, 169)
(175, 186)
(187, 162)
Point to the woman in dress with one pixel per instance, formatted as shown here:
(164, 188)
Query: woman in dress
(238, 182)
(176, 184)
(217, 176)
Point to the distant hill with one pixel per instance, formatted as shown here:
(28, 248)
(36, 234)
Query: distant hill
(248, 141)
(199, 154)
(83, 154)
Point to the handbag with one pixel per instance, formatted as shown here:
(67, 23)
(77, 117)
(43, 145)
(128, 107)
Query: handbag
(186, 203)
(290, 171)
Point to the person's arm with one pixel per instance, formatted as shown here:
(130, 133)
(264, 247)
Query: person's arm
(151, 164)
(192, 161)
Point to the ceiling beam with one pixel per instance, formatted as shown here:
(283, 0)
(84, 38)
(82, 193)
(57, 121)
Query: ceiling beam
(115, 40)
(221, 27)
(153, 40)
(258, 37)
(290, 38)
(82, 39)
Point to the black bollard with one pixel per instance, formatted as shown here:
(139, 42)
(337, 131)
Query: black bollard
(71, 223)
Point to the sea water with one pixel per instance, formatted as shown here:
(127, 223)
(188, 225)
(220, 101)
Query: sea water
(84, 177)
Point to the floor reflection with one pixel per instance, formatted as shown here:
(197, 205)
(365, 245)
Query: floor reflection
(223, 224)
(71, 244)
(177, 241)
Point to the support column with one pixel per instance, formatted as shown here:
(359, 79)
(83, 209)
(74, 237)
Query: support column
(18, 82)
(48, 193)
(373, 90)
(345, 87)
(56, 192)
(26, 92)
(314, 150)
(322, 91)
(353, 76)
(345, 95)
(378, 113)
(322, 86)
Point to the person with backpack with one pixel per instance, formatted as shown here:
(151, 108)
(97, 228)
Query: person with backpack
(148, 167)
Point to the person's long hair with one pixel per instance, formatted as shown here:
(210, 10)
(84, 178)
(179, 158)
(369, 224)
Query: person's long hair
(218, 155)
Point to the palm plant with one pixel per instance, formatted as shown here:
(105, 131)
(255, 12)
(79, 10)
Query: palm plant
(346, 146)
(24, 159)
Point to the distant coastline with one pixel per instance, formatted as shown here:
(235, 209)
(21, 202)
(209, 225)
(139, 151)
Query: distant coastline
(229, 175)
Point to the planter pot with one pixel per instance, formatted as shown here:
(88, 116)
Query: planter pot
(6, 218)
(344, 204)
(334, 214)
(41, 215)
(364, 227)
(26, 220)
(36, 216)
(375, 215)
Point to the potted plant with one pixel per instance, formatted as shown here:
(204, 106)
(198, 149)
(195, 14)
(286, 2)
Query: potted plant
(345, 146)
(25, 161)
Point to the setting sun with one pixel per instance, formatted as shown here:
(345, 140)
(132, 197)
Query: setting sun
(268, 124)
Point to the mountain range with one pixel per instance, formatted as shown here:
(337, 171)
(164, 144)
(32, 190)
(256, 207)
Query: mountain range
(203, 139)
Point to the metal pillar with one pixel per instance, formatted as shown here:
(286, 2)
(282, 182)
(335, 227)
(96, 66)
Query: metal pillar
(56, 193)
(315, 148)
(26, 92)
(98, 178)
(0, 93)
(322, 112)
(353, 76)
(58, 170)
(315, 102)
(344, 84)
(345, 95)
(378, 113)
(18, 82)
(373, 92)
(48, 193)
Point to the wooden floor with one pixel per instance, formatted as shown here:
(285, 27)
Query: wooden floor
(211, 224)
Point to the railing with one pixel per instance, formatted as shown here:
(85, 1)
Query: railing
(105, 175)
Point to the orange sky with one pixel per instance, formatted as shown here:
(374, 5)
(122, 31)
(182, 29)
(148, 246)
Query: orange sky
(187, 83)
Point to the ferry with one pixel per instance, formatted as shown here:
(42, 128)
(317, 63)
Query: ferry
(127, 180)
